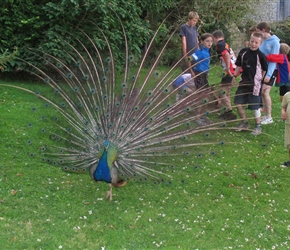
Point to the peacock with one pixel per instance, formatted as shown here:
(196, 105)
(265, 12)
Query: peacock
(116, 126)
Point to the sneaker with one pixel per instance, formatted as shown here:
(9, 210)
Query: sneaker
(256, 131)
(263, 118)
(286, 164)
(243, 126)
(229, 116)
(200, 122)
(267, 121)
(207, 120)
(203, 121)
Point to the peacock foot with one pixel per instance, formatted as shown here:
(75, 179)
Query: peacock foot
(109, 195)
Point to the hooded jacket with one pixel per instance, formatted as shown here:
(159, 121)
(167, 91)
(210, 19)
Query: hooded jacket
(270, 46)
(201, 59)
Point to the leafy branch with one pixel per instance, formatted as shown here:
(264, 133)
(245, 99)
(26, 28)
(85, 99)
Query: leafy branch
(7, 57)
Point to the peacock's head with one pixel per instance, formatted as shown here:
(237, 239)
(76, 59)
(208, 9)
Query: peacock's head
(106, 145)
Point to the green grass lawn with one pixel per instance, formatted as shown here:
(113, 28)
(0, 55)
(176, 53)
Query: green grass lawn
(237, 198)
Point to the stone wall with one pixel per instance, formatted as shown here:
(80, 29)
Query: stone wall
(265, 11)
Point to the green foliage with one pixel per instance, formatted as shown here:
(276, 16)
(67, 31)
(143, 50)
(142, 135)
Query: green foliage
(216, 13)
(7, 57)
(282, 30)
(46, 25)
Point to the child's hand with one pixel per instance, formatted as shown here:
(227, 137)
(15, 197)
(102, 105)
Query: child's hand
(266, 80)
(233, 82)
(283, 116)
(192, 73)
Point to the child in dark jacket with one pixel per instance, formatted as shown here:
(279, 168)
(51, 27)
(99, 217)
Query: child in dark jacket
(254, 65)
(283, 69)
(227, 59)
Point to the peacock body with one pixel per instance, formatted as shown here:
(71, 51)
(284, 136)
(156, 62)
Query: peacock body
(117, 127)
(106, 169)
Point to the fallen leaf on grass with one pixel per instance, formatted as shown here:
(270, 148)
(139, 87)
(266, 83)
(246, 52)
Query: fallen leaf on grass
(13, 192)
(253, 175)
(232, 185)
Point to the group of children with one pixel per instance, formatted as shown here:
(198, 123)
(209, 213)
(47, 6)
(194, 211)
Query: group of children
(262, 64)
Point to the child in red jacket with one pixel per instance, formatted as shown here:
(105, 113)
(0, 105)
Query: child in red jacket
(283, 69)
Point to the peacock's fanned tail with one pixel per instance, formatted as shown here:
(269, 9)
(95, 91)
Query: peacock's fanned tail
(90, 102)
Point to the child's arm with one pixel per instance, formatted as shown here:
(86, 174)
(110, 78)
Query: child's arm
(184, 51)
(275, 58)
(284, 104)
(272, 65)
(196, 57)
(283, 113)
(227, 59)
(183, 43)
(237, 72)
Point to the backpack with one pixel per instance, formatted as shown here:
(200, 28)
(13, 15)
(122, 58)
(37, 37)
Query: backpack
(233, 57)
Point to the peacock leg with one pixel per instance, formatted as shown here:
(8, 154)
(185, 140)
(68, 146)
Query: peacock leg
(109, 193)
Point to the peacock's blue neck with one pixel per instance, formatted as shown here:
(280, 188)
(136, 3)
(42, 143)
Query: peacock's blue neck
(102, 172)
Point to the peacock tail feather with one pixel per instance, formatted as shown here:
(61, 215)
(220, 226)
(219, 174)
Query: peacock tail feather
(128, 124)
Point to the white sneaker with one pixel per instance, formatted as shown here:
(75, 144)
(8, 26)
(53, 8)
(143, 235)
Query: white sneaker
(263, 118)
(267, 121)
